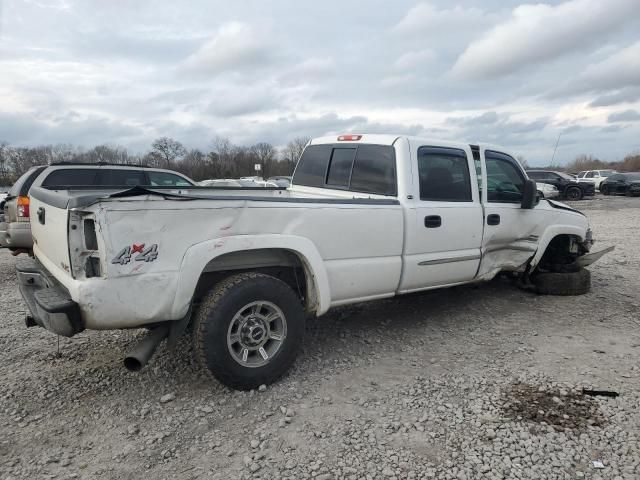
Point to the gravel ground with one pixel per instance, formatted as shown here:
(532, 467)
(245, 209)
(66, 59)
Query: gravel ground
(472, 382)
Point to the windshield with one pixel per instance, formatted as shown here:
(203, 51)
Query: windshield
(632, 176)
(606, 173)
(566, 176)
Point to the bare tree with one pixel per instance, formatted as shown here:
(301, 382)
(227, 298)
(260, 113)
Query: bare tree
(167, 151)
(293, 151)
(265, 155)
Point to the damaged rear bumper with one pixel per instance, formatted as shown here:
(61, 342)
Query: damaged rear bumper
(49, 302)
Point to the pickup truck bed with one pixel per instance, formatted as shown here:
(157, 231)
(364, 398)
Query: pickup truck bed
(359, 241)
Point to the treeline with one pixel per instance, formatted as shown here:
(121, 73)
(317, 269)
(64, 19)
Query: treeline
(630, 163)
(222, 160)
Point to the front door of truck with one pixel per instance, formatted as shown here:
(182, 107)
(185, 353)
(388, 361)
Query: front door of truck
(444, 223)
(511, 234)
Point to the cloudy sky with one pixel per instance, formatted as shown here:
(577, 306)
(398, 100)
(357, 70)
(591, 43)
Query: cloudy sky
(502, 71)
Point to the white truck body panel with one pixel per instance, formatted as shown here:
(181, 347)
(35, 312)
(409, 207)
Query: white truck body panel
(353, 246)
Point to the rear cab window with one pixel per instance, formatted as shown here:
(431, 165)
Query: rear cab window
(364, 168)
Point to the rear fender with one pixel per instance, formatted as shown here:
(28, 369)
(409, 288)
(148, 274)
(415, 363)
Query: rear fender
(199, 255)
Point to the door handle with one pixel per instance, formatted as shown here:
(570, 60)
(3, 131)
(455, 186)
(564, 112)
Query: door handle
(41, 215)
(493, 219)
(432, 221)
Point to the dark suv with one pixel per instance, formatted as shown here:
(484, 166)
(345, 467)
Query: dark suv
(15, 229)
(569, 187)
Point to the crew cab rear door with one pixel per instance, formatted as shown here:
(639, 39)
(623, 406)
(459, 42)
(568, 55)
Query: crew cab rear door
(444, 222)
(511, 233)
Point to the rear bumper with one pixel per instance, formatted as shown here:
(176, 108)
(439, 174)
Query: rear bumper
(16, 235)
(49, 302)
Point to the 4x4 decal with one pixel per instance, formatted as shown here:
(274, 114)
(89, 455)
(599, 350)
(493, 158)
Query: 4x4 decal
(144, 254)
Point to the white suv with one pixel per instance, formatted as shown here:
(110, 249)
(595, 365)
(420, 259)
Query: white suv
(15, 229)
(594, 176)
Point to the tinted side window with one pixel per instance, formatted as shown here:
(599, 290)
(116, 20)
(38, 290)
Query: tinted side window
(312, 167)
(164, 179)
(589, 175)
(121, 178)
(340, 167)
(444, 174)
(505, 182)
(71, 177)
(374, 170)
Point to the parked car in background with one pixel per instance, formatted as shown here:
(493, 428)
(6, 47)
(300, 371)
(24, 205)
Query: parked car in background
(546, 190)
(246, 182)
(621, 184)
(281, 181)
(568, 186)
(220, 182)
(594, 176)
(15, 230)
(3, 197)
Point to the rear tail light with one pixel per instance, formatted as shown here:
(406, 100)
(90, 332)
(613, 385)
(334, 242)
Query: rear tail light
(23, 206)
(349, 138)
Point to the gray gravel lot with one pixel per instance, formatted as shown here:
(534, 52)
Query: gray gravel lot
(472, 382)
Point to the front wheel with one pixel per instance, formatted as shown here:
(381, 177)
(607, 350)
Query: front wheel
(248, 330)
(604, 190)
(563, 283)
(573, 193)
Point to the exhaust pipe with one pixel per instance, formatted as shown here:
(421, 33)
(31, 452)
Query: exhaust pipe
(137, 358)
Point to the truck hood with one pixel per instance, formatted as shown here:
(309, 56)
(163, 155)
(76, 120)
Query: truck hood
(563, 206)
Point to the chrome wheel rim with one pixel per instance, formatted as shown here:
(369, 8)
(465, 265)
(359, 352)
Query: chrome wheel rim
(256, 333)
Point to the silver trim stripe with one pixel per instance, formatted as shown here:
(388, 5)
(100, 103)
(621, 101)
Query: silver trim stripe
(440, 261)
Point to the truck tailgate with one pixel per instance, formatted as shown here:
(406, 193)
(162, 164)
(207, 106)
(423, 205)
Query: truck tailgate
(49, 228)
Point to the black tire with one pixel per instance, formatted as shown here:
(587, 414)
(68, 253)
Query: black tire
(604, 190)
(573, 193)
(573, 283)
(213, 327)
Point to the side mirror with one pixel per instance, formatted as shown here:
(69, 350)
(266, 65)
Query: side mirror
(529, 195)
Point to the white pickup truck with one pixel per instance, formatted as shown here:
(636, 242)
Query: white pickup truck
(367, 217)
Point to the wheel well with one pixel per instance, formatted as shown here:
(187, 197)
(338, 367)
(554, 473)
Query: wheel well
(563, 249)
(283, 264)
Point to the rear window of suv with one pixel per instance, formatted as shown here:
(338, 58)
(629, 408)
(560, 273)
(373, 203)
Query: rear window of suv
(121, 178)
(358, 168)
(23, 184)
(71, 177)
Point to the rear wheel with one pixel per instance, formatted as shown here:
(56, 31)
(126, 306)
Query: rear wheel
(573, 193)
(565, 283)
(248, 330)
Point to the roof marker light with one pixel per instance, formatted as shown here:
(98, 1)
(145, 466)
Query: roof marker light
(349, 138)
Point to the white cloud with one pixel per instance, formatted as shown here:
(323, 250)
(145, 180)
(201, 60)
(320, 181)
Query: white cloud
(540, 32)
(234, 46)
(622, 69)
(414, 59)
(626, 116)
(425, 19)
